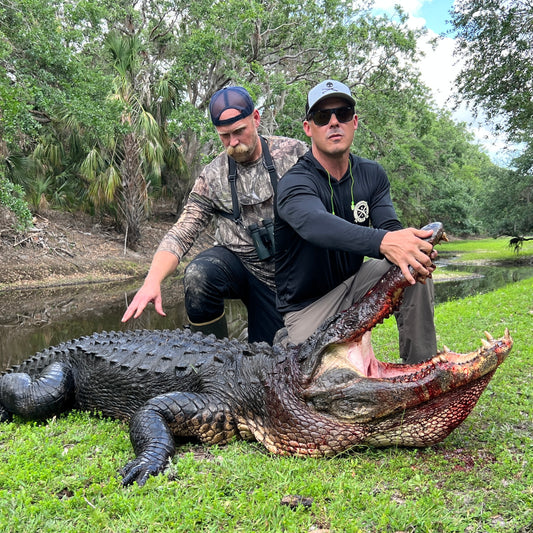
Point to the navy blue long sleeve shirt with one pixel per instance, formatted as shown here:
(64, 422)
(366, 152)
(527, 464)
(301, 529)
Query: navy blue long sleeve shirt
(317, 250)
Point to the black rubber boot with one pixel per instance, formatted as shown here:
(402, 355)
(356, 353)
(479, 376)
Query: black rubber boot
(217, 327)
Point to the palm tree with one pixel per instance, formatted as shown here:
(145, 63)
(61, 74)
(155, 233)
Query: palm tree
(121, 168)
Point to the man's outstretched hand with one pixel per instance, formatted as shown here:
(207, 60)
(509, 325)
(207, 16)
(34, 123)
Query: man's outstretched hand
(149, 292)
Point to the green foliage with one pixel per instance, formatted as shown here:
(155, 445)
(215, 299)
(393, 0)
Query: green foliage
(12, 197)
(494, 42)
(433, 167)
(507, 202)
(133, 82)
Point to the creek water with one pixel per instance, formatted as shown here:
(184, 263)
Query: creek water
(31, 320)
(481, 279)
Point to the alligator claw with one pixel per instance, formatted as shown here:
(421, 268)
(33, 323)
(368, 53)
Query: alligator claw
(139, 470)
(5, 415)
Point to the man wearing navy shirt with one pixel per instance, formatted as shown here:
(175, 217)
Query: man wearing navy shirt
(333, 209)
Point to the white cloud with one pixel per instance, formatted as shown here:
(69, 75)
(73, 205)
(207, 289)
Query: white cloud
(410, 6)
(439, 69)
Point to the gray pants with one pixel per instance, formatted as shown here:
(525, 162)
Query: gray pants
(414, 319)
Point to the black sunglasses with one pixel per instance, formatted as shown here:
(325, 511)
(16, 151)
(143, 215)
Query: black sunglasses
(323, 116)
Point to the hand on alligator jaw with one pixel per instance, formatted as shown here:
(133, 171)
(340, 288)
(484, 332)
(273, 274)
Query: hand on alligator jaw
(410, 250)
(431, 268)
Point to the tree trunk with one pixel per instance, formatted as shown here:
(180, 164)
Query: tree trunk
(134, 194)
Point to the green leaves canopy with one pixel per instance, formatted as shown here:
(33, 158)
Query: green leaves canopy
(495, 42)
(92, 92)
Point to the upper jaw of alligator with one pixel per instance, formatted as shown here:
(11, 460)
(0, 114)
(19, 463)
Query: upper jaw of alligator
(351, 325)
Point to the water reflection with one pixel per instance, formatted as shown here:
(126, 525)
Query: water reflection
(483, 279)
(31, 320)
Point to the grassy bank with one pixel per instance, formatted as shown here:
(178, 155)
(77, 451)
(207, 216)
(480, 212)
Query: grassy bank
(61, 475)
(474, 250)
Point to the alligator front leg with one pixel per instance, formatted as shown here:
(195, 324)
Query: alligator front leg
(177, 414)
(50, 394)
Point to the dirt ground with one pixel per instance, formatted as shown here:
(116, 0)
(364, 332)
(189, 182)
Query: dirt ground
(69, 248)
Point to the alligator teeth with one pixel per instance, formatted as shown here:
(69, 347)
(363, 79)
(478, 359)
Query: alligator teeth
(486, 343)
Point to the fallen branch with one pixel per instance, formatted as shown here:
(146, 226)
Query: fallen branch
(62, 250)
(22, 241)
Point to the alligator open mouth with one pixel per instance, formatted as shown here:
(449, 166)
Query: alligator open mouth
(352, 384)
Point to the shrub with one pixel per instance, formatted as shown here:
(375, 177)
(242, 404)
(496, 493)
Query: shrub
(12, 197)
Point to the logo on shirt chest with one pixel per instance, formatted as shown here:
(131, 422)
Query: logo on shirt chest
(361, 211)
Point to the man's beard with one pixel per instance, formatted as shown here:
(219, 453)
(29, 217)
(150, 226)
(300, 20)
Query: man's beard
(242, 152)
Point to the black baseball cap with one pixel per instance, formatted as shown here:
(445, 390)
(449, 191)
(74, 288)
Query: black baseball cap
(230, 98)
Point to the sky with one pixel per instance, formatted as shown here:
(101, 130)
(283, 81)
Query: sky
(435, 13)
(440, 67)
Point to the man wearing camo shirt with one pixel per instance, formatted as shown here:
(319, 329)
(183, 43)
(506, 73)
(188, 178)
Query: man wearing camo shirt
(241, 264)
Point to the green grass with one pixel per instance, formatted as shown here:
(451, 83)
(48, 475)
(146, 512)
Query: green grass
(486, 250)
(61, 476)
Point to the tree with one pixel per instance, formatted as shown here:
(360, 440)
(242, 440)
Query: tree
(49, 78)
(119, 168)
(106, 101)
(11, 198)
(494, 40)
(507, 199)
(431, 162)
(276, 49)
(91, 104)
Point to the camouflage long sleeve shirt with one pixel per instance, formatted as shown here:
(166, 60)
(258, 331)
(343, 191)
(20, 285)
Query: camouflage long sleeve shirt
(211, 194)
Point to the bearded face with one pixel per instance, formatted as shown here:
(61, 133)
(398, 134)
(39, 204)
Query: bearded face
(241, 139)
(242, 152)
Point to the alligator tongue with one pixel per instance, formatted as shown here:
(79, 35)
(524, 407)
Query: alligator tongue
(361, 356)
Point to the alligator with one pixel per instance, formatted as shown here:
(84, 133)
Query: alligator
(320, 398)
